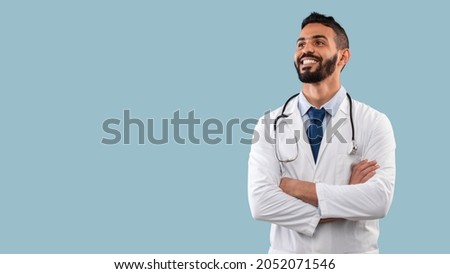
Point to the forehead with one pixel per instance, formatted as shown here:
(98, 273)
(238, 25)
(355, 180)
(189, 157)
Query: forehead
(315, 29)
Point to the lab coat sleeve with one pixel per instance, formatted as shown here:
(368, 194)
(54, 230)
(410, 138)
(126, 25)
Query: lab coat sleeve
(267, 201)
(370, 200)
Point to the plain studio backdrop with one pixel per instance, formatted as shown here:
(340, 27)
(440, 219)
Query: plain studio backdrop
(66, 67)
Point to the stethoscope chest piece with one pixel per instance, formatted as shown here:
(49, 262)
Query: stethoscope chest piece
(352, 148)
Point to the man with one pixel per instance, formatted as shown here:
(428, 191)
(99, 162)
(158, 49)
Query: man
(324, 190)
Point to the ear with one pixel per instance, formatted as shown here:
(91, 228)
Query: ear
(345, 57)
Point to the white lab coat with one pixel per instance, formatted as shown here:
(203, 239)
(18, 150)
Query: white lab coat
(295, 224)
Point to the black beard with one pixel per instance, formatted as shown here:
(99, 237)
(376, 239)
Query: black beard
(325, 69)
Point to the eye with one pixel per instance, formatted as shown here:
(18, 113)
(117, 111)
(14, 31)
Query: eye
(300, 44)
(319, 43)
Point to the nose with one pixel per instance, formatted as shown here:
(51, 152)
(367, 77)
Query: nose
(307, 47)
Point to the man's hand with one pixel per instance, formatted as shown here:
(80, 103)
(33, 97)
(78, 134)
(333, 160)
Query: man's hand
(363, 171)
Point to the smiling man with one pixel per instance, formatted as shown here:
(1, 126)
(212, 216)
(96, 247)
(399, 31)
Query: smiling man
(324, 188)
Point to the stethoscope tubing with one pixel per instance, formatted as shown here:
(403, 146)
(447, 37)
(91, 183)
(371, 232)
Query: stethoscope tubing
(282, 116)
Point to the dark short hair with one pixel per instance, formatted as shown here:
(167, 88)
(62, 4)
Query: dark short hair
(341, 37)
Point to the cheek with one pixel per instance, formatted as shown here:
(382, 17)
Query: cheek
(296, 56)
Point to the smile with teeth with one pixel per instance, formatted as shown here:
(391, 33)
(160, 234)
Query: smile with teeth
(308, 61)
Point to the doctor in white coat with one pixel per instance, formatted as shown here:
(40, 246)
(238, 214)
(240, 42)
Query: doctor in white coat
(322, 191)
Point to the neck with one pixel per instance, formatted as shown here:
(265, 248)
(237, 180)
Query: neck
(318, 94)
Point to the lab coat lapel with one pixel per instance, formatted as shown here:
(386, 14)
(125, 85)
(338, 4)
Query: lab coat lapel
(300, 132)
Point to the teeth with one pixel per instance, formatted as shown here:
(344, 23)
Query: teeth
(309, 61)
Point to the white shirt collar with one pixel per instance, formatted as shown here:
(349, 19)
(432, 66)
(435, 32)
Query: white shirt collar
(332, 106)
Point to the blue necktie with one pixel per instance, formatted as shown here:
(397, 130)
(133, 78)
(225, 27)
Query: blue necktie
(315, 130)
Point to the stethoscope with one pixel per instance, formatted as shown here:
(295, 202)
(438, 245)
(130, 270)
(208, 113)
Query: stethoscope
(282, 116)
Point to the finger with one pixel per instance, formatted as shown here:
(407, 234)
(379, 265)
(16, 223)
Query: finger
(365, 165)
(368, 176)
(369, 163)
(368, 169)
(363, 172)
(369, 173)
(358, 165)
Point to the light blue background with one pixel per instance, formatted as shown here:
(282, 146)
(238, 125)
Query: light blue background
(67, 66)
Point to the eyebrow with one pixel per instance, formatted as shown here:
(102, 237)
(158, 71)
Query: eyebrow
(313, 37)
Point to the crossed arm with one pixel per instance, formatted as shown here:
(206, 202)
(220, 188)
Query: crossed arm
(306, 191)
